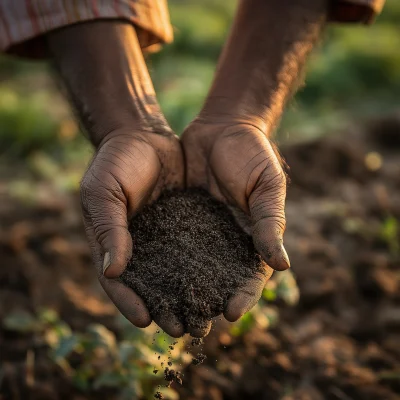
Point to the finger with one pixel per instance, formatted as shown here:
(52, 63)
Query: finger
(170, 324)
(267, 209)
(200, 331)
(105, 211)
(247, 297)
(131, 306)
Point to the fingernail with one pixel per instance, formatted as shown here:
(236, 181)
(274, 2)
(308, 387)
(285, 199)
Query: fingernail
(106, 261)
(285, 257)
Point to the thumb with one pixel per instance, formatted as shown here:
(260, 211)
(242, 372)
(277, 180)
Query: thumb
(267, 209)
(106, 214)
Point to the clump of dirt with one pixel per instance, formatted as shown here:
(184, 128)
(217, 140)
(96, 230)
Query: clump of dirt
(171, 375)
(197, 341)
(340, 342)
(199, 359)
(189, 256)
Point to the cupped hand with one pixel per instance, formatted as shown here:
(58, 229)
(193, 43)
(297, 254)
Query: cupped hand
(237, 164)
(129, 169)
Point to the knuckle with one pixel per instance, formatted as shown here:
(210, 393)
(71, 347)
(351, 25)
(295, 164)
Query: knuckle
(277, 220)
(102, 231)
(268, 200)
(97, 196)
(270, 190)
(271, 210)
(273, 177)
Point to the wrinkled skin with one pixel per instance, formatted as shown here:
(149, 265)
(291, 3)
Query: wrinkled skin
(127, 171)
(234, 160)
(237, 164)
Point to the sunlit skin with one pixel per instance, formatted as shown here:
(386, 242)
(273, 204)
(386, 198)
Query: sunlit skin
(227, 149)
(137, 155)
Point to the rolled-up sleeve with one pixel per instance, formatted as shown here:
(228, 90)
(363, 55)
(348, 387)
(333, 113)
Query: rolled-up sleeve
(24, 22)
(363, 11)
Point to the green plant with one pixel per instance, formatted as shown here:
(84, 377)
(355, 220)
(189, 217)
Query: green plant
(126, 365)
(265, 314)
(390, 234)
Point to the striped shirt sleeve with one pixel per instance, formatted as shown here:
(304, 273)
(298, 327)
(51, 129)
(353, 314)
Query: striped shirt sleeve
(23, 22)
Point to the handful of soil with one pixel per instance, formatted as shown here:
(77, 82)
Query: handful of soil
(189, 256)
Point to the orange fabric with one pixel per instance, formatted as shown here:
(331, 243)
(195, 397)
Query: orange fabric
(23, 22)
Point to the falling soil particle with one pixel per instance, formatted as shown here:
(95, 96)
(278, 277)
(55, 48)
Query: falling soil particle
(199, 359)
(171, 375)
(158, 395)
(170, 363)
(155, 371)
(190, 256)
(343, 327)
(197, 341)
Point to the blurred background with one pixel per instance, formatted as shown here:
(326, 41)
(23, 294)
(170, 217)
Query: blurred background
(328, 330)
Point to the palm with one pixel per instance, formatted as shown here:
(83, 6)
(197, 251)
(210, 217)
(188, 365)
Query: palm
(137, 168)
(232, 164)
(239, 166)
(128, 171)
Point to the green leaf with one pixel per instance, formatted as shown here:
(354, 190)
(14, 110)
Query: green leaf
(286, 287)
(110, 379)
(244, 324)
(269, 294)
(102, 336)
(272, 315)
(49, 316)
(65, 346)
(62, 329)
(126, 351)
(390, 234)
(128, 393)
(20, 321)
(81, 378)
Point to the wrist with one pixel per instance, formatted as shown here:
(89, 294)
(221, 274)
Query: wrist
(228, 111)
(135, 130)
(103, 68)
(258, 71)
(141, 119)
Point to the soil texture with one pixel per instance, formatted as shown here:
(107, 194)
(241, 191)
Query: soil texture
(341, 342)
(189, 257)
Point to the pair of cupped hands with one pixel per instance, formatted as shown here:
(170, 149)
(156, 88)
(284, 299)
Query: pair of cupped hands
(234, 160)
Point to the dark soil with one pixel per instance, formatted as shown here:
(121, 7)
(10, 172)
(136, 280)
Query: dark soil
(341, 342)
(171, 375)
(199, 359)
(197, 341)
(189, 256)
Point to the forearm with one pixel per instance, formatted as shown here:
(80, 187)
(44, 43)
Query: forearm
(103, 68)
(262, 60)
